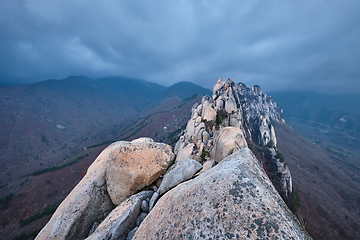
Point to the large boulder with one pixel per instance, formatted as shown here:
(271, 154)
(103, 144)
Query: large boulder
(134, 166)
(227, 141)
(84, 205)
(178, 173)
(185, 152)
(118, 172)
(219, 85)
(121, 220)
(208, 113)
(233, 200)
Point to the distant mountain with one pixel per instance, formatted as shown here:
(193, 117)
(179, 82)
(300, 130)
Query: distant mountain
(336, 110)
(186, 90)
(55, 128)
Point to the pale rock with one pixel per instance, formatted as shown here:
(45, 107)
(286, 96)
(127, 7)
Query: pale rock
(199, 109)
(206, 166)
(142, 140)
(194, 110)
(219, 84)
(198, 132)
(205, 136)
(219, 104)
(235, 122)
(178, 173)
(198, 120)
(85, 204)
(272, 135)
(201, 148)
(185, 152)
(208, 112)
(230, 104)
(198, 143)
(121, 220)
(190, 130)
(134, 166)
(227, 141)
(180, 144)
(233, 200)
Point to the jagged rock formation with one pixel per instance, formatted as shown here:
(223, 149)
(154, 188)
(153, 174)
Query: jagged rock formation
(130, 192)
(248, 110)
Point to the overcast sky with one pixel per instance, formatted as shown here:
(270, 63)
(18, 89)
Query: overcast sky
(297, 44)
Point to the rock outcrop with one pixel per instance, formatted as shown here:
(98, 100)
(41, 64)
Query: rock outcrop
(250, 113)
(134, 166)
(122, 219)
(118, 172)
(216, 189)
(233, 200)
(227, 141)
(178, 173)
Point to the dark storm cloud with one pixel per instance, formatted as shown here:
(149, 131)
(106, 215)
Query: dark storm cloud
(276, 44)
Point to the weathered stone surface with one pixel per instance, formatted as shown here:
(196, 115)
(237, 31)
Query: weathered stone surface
(84, 205)
(178, 173)
(190, 129)
(206, 166)
(227, 141)
(145, 206)
(121, 220)
(132, 233)
(112, 177)
(208, 112)
(205, 136)
(233, 200)
(185, 152)
(141, 218)
(153, 200)
(230, 104)
(219, 84)
(134, 166)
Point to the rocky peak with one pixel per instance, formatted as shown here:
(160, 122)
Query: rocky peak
(247, 109)
(134, 190)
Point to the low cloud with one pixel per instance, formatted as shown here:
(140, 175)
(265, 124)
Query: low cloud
(307, 45)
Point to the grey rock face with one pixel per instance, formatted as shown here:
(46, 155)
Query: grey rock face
(233, 200)
(140, 218)
(145, 206)
(153, 199)
(178, 173)
(121, 220)
(131, 233)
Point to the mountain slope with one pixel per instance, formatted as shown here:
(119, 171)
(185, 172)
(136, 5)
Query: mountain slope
(54, 130)
(328, 188)
(333, 122)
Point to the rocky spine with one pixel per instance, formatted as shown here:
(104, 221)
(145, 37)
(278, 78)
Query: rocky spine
(215, 188)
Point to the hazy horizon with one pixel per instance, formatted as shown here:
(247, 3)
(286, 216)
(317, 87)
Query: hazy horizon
(279, 45)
